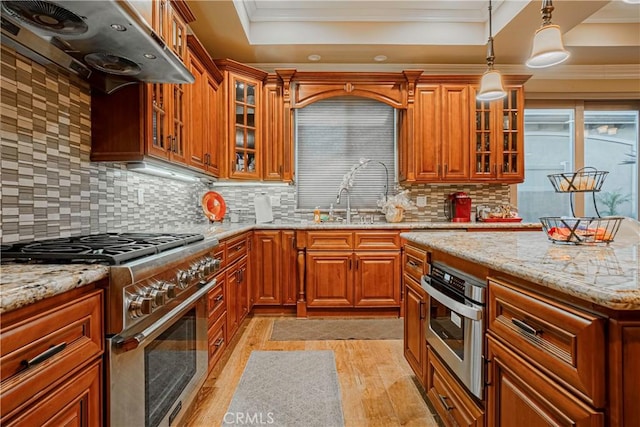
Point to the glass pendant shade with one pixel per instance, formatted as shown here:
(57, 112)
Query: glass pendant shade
(491, 87)
(547, 49)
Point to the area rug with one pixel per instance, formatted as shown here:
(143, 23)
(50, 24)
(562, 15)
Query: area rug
(288, 389)
(337, 329)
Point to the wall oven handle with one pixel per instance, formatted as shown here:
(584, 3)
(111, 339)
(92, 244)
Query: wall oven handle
(137, 340)
(451, 304)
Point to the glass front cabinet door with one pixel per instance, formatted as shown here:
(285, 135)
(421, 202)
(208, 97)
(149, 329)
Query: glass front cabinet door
(497, 149)
(245, 137)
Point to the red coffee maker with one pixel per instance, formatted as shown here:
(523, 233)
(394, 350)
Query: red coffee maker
(457, 207)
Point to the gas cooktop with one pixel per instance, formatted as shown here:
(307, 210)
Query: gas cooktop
(109, 248)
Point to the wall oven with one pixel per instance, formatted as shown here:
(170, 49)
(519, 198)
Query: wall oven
(455, 323)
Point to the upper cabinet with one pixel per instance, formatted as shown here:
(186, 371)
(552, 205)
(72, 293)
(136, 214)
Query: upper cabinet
(498, 138)
(203, 110)
(448, 136)
(242, 106)
(170, 20)
(441, 133)
(146, 120)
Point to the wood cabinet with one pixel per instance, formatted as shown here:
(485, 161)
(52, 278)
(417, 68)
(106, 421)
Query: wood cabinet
(547, 360)
(450, 400)
(441, 133)
(415, 310)
(267, 267)
(415, 313)
(237, 281)
(169, 20)
(51, 361)
(217, 320)
(329, 279)
(203, 122)
(519, 394)
(352, 269)
(289, 277)
(559, 339)
(447, 136)
(497, 135)
(274, 274)
(243, 115)
(273, 131)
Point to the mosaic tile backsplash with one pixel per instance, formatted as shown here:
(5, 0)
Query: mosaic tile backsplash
(49, 188)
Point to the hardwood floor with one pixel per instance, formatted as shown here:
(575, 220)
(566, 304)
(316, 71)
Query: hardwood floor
(376, 382)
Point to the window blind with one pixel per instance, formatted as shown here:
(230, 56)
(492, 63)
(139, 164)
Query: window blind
(332, 136)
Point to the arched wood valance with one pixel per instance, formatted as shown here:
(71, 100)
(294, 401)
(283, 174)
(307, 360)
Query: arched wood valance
(389, 88)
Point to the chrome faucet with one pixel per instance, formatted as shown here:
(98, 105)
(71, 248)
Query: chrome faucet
(348, 216)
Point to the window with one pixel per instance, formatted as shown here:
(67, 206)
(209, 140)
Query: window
(549, 142)
(611, 144)
(332, 136)
(566, 139)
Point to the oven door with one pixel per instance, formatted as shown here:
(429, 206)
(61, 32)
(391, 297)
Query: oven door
(153, 384)
(454, 330)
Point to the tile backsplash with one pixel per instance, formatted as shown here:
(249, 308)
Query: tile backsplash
(49, 188)
(239, 198)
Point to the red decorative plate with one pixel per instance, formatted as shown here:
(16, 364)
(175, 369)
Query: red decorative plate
(213, 206)
(501, 220)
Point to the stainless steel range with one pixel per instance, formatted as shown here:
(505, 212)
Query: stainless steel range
(156, 320)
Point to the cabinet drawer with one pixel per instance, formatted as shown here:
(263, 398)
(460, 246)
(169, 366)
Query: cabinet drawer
(221, 254)
(448, 397)
(518, 394)
(216, 304)
(217, 341)
(567, 344)
(415, 261)
(330, 240)
(74, 328)
(236, 248)
(377, 240)
(78, 401)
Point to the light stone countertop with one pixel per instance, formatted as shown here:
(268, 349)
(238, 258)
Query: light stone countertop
(23, 283)
(607, 275)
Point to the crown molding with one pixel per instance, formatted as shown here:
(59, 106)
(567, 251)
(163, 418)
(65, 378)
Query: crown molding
(560, 72)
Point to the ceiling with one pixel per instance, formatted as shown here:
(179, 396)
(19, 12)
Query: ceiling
(451, 35)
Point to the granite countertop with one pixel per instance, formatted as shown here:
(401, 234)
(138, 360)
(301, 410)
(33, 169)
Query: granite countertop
(22, 283)
(224, 230)
(607, 275)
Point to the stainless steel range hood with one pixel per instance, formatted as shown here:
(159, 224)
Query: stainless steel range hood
(106, 42)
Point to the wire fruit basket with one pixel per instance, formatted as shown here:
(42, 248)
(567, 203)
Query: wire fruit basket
(585, 179)
(574, 229)
(581, 230)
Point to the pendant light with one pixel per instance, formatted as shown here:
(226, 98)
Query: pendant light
(548, 48)
(491, 87)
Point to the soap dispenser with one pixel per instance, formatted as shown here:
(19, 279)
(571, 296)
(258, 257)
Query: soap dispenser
(316, 214)
(331, 212)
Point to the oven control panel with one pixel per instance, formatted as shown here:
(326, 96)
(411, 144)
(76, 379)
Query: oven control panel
(149, 296)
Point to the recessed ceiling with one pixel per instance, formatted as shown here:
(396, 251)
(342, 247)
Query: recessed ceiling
(411, 32)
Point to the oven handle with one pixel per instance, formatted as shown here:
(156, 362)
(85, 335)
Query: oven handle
(135, 341)
(462, 309)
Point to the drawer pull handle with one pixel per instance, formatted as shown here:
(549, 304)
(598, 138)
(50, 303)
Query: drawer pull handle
(44, 355)
(413, 264)
(528, 329)
(218, 342)
(219, 298)
(443, 399)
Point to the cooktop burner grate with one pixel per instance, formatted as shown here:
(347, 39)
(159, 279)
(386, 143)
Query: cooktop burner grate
(110, 248)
